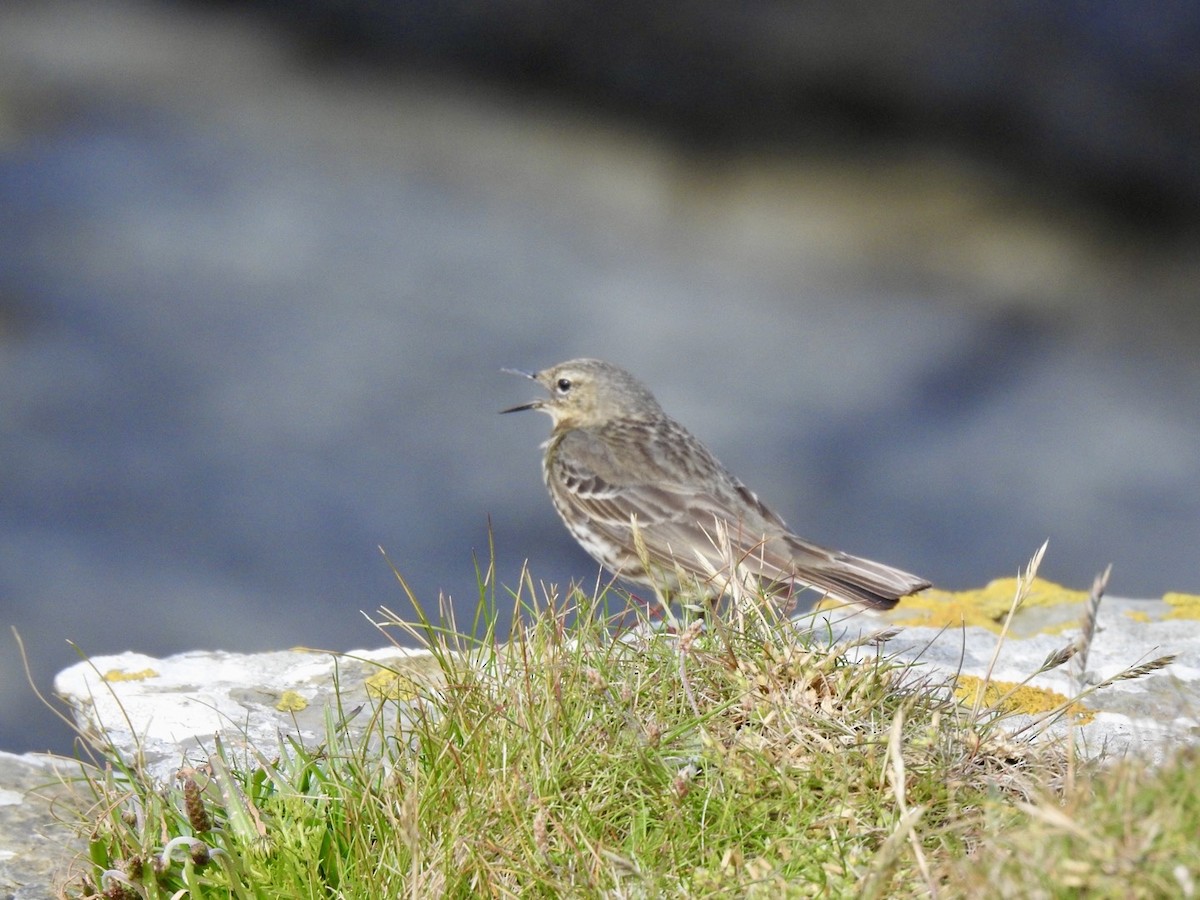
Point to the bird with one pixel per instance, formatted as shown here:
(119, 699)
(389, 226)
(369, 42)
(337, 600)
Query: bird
(650, 502)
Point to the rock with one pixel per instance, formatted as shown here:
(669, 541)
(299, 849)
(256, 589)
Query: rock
(37, 847)
(1145, 714)
(171, 709)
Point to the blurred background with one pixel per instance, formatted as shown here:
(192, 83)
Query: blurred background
(925, 277)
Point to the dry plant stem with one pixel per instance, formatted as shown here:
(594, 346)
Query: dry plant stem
(877, 879)
(685, 644)
(1052, 661)
(33, 684)
(1024, 583)
(643, 555)
(1138, 671)
(909, 817)
(1083, 643)
(1129, 674)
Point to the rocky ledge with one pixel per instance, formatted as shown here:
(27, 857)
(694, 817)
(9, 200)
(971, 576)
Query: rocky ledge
(171, 710)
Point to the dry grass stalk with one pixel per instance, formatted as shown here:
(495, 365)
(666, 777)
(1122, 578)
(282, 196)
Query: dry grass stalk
(1083, 643)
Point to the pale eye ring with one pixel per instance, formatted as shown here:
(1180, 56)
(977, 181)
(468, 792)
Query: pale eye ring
(563, 385)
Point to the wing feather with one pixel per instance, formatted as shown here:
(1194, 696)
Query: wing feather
(678, 521)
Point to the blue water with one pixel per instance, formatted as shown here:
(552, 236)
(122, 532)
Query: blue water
(236, 360)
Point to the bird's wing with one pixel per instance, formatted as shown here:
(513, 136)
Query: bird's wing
(665, 515)
(679, 522)
(694, 529)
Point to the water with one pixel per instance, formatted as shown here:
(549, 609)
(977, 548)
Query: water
(252, 319)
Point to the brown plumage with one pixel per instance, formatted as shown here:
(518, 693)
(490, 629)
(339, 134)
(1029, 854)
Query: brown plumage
(614, 458)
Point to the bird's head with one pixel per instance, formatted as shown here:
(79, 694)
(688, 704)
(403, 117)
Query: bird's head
(587, 393)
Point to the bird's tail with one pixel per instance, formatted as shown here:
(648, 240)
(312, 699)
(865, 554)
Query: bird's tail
(857, 580)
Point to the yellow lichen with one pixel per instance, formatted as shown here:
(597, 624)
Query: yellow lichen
(1138, 615)
(1010, 697)
(388, 685)
(290, 701)
(1183, 606)
(985, 607)
(118, 675)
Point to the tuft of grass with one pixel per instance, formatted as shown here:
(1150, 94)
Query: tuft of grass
(584, 754)
(1126, 831)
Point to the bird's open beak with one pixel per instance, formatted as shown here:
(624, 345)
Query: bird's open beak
(532, 376)
(536, 404)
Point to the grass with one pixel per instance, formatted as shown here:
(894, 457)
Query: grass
(576, 757)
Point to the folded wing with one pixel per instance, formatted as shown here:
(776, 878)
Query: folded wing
(679, 522)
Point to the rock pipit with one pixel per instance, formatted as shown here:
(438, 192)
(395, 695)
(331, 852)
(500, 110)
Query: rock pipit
(651, 503)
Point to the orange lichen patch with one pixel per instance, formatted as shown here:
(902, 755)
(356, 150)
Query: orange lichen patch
(388, 685)
(985, 606)
(290, 701)
(1139, 615)
(1010, 697)
(1183, 606)
(118, 675)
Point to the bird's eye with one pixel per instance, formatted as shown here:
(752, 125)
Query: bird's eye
(564, 385)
